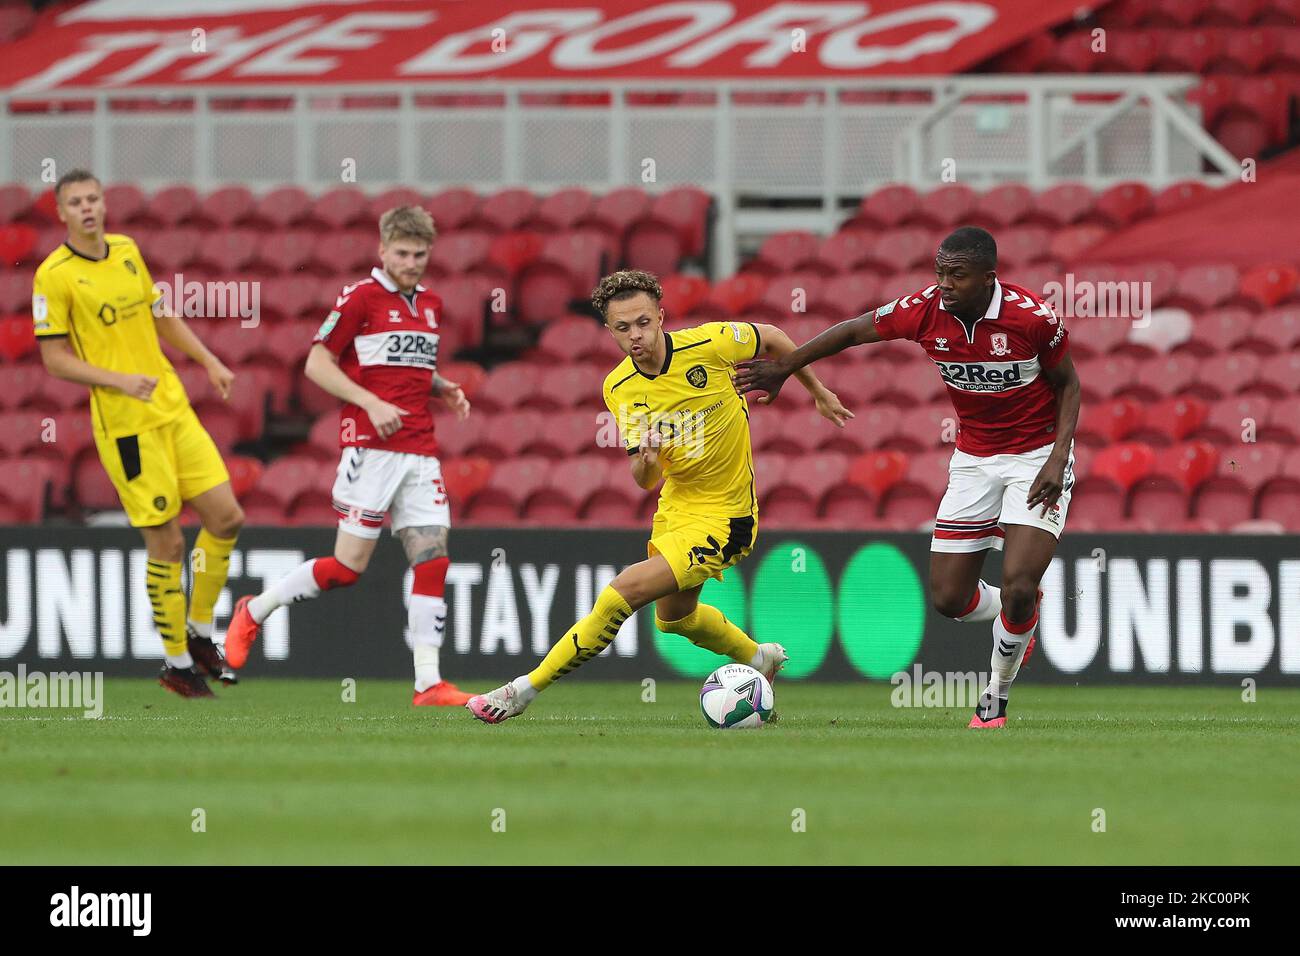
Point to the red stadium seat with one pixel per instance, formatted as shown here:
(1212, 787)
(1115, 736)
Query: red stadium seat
(341, 207)
(1004, 205)
(654, 246)
(785, 252)
(1062, 205)
(1221, 330)
(22, 385)
(504, 211)
(900, 249)
(1071, 242)
(1267, 98)
(1101, 379)
(346, 251)
(508, 385)
(1267, 285)
(889, 206)
(1171, 420)
(844, 251)
(1280, 375)
(226, 206)
(464, 303)
(562, 387)
(1073, 53)
(1113, 421)
(946, 207)
(452, 209)
(17, 337)
(509, 487)
(1187, 51)
(173, 205)
(464, 478)
(25, 485)
(1245, 52)
(570, 340)
(227, 251)
(16, 290)
(17, 243)
(1169, 375)
(1021, 245)
(560, 210)
(170, 251)
(283, 207)
(788, 297)
(849, 295)
(393, 199)
(737, 294)
(513, 251)
(245, 473)
(92, 490)
(15, 202)
(689, 211)
(614, 212)
(1278, 330)
(1123, 203)
(570, 485)
(285, 251)
(1204, 286)
(62, 394)
(1226, 374)
(1130, 51)
(878, 471)
(586, 256)
(1232, 12)
(457, 254)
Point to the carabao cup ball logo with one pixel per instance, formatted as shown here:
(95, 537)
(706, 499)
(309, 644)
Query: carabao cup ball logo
(697, 376)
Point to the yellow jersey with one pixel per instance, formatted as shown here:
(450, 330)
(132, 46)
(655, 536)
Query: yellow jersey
(105, 309)
(704, 423)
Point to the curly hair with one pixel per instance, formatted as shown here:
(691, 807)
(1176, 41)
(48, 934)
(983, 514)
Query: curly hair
(624, 285)
(406, 222)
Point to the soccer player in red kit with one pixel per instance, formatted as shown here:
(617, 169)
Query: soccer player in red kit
(1004, 355)
(378, 353)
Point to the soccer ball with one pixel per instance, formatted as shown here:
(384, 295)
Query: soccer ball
(736, 696)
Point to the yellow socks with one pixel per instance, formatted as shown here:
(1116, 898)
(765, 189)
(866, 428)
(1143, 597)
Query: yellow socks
(708, 628)
(163, 579)
(210, 564)
(584, 640)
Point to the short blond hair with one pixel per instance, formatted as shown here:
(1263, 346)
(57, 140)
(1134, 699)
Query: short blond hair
(406, 222)
(624, 285)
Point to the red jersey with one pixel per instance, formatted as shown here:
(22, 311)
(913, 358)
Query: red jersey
(387, 343)
(992, 367)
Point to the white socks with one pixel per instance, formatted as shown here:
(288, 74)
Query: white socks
(524, 688)
(989, 605)
(1008, 649)
(181, 661)
(426, 617)
(298, 585)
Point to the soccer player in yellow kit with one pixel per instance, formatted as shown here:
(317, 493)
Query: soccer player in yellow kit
(93, 305)
(681, 420)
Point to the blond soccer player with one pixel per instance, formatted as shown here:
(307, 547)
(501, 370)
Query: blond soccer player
(98, 323)
(682, 422)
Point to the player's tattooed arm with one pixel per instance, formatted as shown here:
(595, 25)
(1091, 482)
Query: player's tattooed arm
(452, 394)
(1050, 483)
(764, 375)
(777, 344)
(423, 543)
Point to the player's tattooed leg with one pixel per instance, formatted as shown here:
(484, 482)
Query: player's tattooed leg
(424, 543)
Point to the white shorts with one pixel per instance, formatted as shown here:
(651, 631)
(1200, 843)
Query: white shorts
(373, 483)
(986, 494)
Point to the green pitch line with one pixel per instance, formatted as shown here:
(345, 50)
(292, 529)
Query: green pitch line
(286, 772)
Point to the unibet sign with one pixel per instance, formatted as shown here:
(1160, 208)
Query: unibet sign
(878, 611)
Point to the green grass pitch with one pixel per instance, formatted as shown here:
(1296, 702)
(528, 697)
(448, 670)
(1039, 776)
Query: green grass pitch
(286, 772)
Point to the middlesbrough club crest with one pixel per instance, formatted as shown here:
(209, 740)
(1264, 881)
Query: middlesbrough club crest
(430, 317)
(999, 342)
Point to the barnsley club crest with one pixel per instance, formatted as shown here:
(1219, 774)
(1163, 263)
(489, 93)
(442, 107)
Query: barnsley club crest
(697, 376)
(999, 342)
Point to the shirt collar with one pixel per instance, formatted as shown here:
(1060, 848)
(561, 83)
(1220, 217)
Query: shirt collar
(995, 303)
(385, 280)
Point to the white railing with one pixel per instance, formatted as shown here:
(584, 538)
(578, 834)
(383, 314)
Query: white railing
(750, 143)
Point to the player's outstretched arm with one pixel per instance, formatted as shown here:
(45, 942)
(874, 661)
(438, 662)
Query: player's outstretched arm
(768, 375)
(175, 332)
(61, 362)
(323, 370)
(777, 344)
